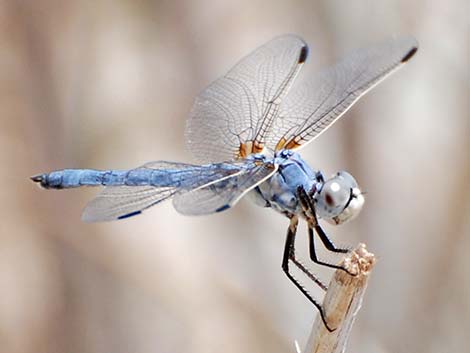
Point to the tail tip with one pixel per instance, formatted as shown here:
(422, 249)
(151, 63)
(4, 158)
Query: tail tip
(39, 179)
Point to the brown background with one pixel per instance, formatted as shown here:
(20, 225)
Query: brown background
(108, 84)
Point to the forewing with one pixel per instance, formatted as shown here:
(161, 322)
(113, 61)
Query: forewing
(316, 103)
(231, 118)
(118, 202)
(223, 194)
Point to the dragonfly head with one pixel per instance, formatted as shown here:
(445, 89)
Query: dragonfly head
(339, 199)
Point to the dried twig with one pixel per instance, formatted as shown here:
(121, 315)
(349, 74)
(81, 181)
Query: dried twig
(342, 303)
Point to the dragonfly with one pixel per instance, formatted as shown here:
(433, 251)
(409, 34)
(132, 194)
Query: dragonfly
(245, 130)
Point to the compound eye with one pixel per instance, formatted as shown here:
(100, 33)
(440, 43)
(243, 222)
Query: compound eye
(348, 179)
(335, 194)
(339, 199)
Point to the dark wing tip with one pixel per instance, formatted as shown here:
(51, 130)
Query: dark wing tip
(135, 213)
(409, 55)
(222, 208)
(303, 54)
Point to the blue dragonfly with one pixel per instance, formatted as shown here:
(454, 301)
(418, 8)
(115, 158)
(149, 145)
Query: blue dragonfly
(245, 130)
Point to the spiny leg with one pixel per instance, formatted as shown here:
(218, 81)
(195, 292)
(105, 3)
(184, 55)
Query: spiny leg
(327, 241)
(297, 262)
(309, 274)
(323, 237)
(313, 254)
(309, 211)
(289, 254)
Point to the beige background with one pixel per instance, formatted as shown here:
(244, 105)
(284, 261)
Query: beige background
(108, 84)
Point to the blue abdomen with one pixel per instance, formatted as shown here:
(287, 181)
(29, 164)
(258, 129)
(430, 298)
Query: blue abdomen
(73, 178)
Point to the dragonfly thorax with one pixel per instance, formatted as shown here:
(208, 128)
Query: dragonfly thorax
(336, 200)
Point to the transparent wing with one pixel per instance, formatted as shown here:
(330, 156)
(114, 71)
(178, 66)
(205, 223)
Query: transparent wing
(316, 103)
(224, 193)
(231, 117)
(118, 202)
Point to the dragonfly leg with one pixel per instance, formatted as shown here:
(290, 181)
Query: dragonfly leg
(313, 253)
(313, 226)
(327, 241)
(289, 255)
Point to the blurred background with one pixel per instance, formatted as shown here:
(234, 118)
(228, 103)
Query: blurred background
(108, 84)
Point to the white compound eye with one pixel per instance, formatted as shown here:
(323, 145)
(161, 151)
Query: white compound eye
(348, 179)
(335, 194)
(339, 199)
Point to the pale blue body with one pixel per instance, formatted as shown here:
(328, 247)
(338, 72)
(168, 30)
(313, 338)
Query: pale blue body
(72, 178)
(279, 191)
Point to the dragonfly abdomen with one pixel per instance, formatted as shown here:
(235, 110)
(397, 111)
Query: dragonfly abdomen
(73, 178)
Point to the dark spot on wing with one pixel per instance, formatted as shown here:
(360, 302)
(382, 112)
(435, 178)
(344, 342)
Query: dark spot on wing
(303, 54)
(223, 208)
(135, 213)
(409, 55)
